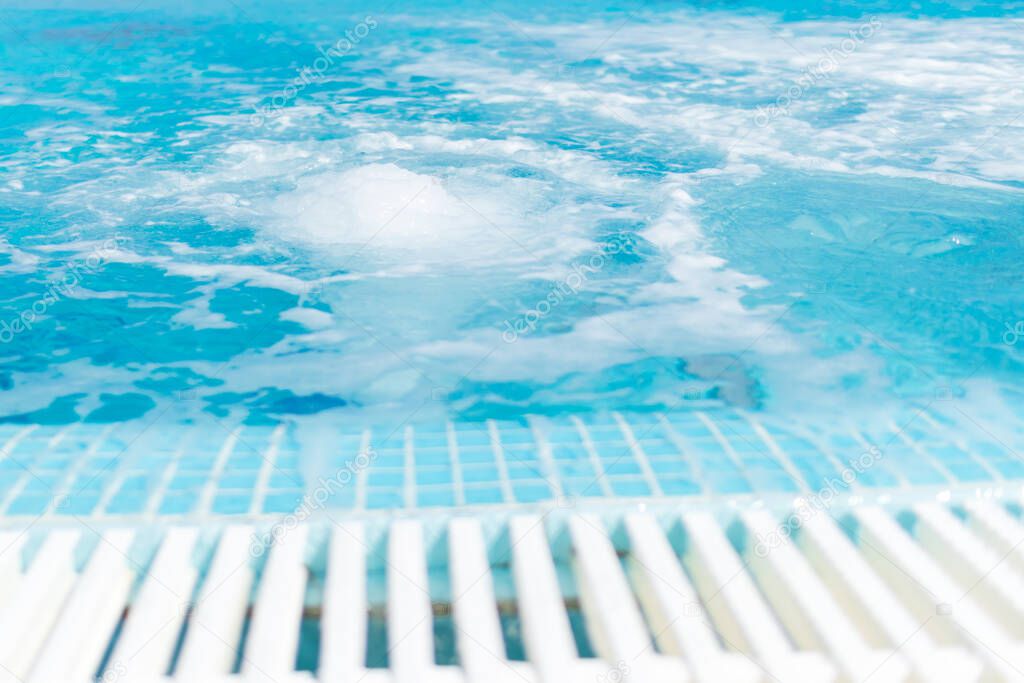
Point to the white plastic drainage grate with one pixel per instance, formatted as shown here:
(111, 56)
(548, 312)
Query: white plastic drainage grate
(924, 591)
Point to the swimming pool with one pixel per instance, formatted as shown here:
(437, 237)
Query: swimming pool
(512, 341)
(219, 218)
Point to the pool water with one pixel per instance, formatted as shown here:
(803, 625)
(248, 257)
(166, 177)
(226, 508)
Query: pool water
(226, 212)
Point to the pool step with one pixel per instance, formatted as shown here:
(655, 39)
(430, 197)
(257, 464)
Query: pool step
(921, 592)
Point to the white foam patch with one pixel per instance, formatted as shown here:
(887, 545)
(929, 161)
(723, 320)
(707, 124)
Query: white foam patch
(310, 318)
(198, 316)
(229, 275)
(20, 261)
(380, 203)
(895, 71)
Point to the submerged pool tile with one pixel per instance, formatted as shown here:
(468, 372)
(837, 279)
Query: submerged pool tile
(29, 504)
(430, 477)
(127, 503)
(139, 484)
(1011, 469)
(877, 477)
(282, 501)
(569, 452)
(689, 426)
(283, 479)
(386, 498)
(604, 432)
(524, 471)
(245, 461)
(231, 503)
(478, 474)
(720, 466)
(288, 461)
(563, 434)
(662, 466)
(969, 471)
(721, 482)
(178, 503)
(659, 449)
(522, 456)
(344, 498)
(435, 497)
(37, 484)
(531, 492)
(55, 461)
(516, 437)
(196, 463)
(386, 478)
(924, 476)
(622, 467)
(679, 486)
(474, 456)
(8, 481)
(432, 458)
(437, 439)
(479, 495)
(238, 480)
(584, 487)
(78, 505)
(575, 469)
(629, 487)
(390, 460)
(183, 481)
(774, 482)
(473, 437)
(613, 450)
(5, 487)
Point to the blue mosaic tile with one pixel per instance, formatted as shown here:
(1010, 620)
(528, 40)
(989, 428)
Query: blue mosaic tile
(232, 503)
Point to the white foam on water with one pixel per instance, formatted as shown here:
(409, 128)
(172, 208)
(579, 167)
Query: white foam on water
(380, 203)
(197, 315)
(20, 261)
(895, 69)
(310, 318)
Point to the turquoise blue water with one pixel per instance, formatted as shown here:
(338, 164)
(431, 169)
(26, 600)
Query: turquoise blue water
(412, 210)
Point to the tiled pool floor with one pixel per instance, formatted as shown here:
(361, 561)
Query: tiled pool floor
(89, 470)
